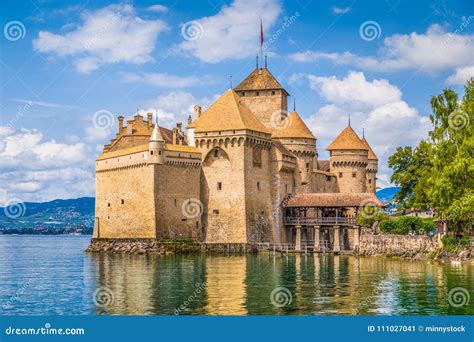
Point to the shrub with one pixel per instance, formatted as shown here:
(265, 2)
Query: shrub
(369, 220)
(387, 226)
(407, 224)
(452, 244)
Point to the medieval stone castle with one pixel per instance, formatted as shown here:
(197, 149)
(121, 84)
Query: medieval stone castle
(244, 172)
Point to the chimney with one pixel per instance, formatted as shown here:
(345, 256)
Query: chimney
(197, 110)
(149, 119)
(120, 122)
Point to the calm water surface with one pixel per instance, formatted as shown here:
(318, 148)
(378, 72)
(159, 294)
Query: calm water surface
(48, 275)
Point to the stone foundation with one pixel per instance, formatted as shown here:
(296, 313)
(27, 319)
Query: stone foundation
(153, 246)
(408, 246)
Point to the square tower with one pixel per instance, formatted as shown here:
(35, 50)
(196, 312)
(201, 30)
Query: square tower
(264, 96)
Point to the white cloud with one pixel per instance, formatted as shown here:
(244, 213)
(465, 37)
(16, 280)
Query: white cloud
(44, 104)
(461, 75)
(162, 80)
(175, 106)
(109, 35)
(233, 33)
(340, 10)
(36, 169)
(355, 90)
(429, 52)
(375, 105)
(158, 8)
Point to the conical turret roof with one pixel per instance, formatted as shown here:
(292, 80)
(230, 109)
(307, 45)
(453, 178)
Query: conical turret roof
(260, 78)
(293, 127)
(228, 113)
(347, 140)
(156, 134)
(372, 155)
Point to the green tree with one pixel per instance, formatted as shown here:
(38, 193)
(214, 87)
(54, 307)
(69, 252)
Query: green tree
(439, 172)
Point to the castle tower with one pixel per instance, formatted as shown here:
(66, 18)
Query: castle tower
(372, 168)
(264, 96)
(298, 139)
(235, 183)
(156, 147)
(348, 161)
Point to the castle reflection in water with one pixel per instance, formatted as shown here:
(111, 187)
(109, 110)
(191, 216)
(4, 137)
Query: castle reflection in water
(267, 284)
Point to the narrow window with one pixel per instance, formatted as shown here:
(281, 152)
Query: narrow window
(108, 204)
(258, 186)
(215, 211)
(175, 202)
(286, 188)
(219, 185)
(216, 153)
(353, 175)
(159, 153)
(370, 181)
(307, 165)
(243, 93)
(328, 178)
(151, 152)
(122, 201)
(340, 174)
(273, 92)
(257, 93)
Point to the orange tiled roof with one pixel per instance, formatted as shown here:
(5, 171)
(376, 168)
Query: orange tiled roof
(259, 79)
(123, 152)
(372, 155)
(347, 140)
(227, 113)
(333, 200)
(144, 147)
(293, 127)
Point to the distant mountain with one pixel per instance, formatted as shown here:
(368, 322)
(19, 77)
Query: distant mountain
(387, 195)
(71, 216)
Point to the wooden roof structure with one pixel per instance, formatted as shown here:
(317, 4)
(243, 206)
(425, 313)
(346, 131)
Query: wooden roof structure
(334, 200)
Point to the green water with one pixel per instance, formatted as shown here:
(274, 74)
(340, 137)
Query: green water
(52, 275)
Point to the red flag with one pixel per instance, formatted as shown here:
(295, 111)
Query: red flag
(261, 33)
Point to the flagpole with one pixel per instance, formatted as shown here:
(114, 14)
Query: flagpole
(261, 41)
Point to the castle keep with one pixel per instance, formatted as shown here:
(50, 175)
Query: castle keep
(245, 171)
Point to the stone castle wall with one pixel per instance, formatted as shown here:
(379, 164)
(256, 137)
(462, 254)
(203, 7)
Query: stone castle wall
(265, 105)
(125, 206)
(258, 193)
(177, 197)
(224, 209)
(349, 166)
(397, 245)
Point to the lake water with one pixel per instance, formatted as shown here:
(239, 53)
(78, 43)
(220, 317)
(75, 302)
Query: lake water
(51, 275)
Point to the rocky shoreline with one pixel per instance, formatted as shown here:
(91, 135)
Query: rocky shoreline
(153, 246)
(400, 246)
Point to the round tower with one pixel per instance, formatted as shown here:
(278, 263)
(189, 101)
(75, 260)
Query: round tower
(372, 168)
(298, 139)
(156, 147)
(348, 161)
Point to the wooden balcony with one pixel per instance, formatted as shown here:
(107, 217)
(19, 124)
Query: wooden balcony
(318, 221)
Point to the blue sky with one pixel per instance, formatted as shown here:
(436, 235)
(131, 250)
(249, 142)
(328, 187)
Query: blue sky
(63, 62)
